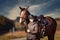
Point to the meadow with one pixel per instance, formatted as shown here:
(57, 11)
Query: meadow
(21, 34)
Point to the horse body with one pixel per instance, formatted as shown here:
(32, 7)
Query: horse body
(50, 30)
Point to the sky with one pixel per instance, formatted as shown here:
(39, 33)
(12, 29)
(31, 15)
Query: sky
(10, 8)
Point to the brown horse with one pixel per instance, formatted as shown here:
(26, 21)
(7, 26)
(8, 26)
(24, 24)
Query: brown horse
(50, 30)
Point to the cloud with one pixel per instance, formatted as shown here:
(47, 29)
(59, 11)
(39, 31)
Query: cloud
(13, 13)
(51, 6)
(34, 9)
(54, 14)
(6, 6)
(9, 8)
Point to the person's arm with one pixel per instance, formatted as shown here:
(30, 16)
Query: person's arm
(28, 29)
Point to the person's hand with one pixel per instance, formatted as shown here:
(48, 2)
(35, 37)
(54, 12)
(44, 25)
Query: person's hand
(28, 30)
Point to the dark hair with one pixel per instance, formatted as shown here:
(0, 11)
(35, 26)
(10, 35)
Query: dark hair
(41, 17)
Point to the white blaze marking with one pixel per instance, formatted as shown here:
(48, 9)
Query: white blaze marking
(20, 20)
(20, 16)
(22, 13)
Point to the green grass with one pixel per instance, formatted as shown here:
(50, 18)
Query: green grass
(58, 27)
(4, 37)
(7, 37)
(57, 37)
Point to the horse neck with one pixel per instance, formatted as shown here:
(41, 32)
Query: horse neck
(28, 13)
(27, 19)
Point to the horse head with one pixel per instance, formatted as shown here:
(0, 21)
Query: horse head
(24, 14)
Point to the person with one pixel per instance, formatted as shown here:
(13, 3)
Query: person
(32, 30)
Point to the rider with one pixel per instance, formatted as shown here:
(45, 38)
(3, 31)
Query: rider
(32, 30)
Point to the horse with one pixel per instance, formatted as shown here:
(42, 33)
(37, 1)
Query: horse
(50, 30)
(5, 25)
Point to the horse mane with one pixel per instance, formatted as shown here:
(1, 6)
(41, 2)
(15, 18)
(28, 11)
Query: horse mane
(27, 19)
(28, 13)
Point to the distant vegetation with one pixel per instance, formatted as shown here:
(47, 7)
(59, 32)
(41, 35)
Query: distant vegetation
(18, 26)
(5, 24)
(57, 18)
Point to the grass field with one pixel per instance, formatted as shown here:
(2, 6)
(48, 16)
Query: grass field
(21, 34)
(58, 25)
(57, 37)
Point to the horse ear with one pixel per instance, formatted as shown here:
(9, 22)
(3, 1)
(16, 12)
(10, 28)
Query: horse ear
(27, 7)
(20, 7)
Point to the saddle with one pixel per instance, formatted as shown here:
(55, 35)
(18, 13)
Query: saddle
(42, 30)
(43, 26)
